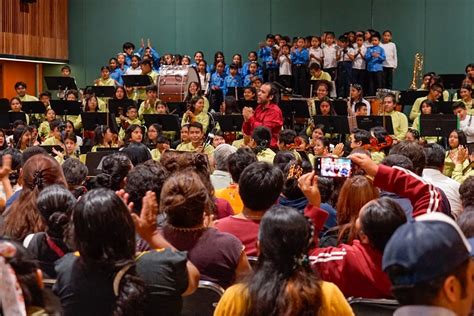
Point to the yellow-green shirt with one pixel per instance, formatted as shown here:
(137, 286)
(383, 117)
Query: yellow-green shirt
(416, 108)
(180, 146)
(400, 124)
(461, 173)
(107, 82)
(144, 109)
(78, 121)
(449, 166)
(94, 148)
(322, 76)
(43, 129)
(141, 93)
(131, 122)
(51, 141)
(235, 300)
(208, 149)
(377, 156)
(416, 125)
(28, 98)
(202, 118)
(266, 155)
(155, 154)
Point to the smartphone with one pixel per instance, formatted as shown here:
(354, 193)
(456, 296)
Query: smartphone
(332, 167)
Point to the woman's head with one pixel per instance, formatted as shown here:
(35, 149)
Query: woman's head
(133, 134)
(321, 146)
(102, 135)
(15, 104)
(114, 170)
(323, 89)
(356, 92)
(355, 193)
(120, 93)
(427, 106)
(202, 66)
(137, 153)
(456, 138)
(318, 132)
(185, 199)
(194, 88)
(22, 137)
(152, 133)
(197, 103)
(92, 104)
(55, 204)
(325, 106)
(218, 57)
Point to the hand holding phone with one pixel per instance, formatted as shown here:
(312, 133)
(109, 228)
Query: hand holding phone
(333, 167)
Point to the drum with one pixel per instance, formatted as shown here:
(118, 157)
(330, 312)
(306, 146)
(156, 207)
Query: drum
(173, 82)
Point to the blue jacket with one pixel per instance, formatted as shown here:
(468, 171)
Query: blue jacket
(154, 54)
(117, 76)
(245, 69)
(300, 57)
(217, 81)
(375, 64)
(232, 82)
(248, 79)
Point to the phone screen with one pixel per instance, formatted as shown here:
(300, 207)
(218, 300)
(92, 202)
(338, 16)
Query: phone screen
(333, 167)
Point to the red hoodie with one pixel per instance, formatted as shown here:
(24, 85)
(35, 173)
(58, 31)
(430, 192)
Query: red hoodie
(357, 269)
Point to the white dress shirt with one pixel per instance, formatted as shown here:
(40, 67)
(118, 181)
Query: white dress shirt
(467, 126)
(359, 61)
(329, 57)
(391, 59)
(449, 186)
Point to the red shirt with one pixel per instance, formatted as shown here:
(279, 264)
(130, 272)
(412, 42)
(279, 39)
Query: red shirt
(269, 116)
(245, 230)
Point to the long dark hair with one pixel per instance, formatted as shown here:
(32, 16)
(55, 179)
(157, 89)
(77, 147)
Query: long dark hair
(283, 282)
(99, 134)
(102, 213)
(115, 168)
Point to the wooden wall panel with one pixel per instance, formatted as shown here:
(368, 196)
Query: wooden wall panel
(35, 30)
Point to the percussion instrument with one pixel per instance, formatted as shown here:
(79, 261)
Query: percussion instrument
(173, 82)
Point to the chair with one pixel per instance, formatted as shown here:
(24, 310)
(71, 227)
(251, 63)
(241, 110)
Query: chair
(253, 261)
(204, 301)
(372, 307)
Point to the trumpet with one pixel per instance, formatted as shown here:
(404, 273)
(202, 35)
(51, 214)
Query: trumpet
(417, 71)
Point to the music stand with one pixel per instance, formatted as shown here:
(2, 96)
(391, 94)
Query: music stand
(7, 120)
(333, 124)
(108, 148)
(65, 108)
(4, 105)
(452, 81)
(439, 125)
(443, 107)
(292, 109)
(178, 108)
(85, 149)
(60, 83)
(102, 91)
(118, 106)
(247, 103)
(33, 107)
(137, 80)
(368, 122)
(339, 106)
(408, 97)
(90, 120)
(230, 123)
(49, 148)
(168, 122)
(93, 160)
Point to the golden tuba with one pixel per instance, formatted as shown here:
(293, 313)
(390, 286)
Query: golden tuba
(417, 71)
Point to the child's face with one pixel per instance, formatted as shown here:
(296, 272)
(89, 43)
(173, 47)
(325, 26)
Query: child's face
(195, 135)
(137, 135)
(270, 42)
(375, 41)
(318, 148)
(50, 115)
(70, 146)
(220, 68)
(453, 140)
(425, 108)
(217, 140)
(199, 105)
(185, 61)
(220, 58)
(236, 59)
(325, 108)
(121, 59)
(201, 66)
(314, 42)
(387, 37)
(285, 50)
(151, 95)
(45, 100)
(233, 72)
(253, 68)
(105, 74)
(355, 93)
(252, 57)
(465, 94)
(184, 134)
(152, 133)
(362, 111)
(248, 95)
(132, 113)
(329, 39)
(128, 51)
(198, 57)
(162, 147)
(282, 42)
(360, 41)
(410, 137)
(108, 136)
(300, 43)
(367, 35)
(15, 105)
(135, 63)
(321, 92)
(317, 134)
(257, 83)
(168, 59)
(119, 94)
(161, 109)
(66, 72)
(56, 133)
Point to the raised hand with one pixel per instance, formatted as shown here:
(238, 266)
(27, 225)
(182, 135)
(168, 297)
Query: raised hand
(308, 184)
(366, 163)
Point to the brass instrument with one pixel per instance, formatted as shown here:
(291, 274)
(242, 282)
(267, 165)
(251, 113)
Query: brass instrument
(417, 71)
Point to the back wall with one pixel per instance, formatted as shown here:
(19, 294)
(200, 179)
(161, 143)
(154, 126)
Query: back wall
(439, 29)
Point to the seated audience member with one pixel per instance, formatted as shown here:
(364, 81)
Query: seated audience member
(466, 222)
(405, 163)
(354, 194)
(105, 265)
(236, 163)
(433, 174)
(356, 269)
(197, 142)
(260, 143)
(115, 168)
(221, 177)
(291, 194)
(259, 187)
(443, 287)
(23, 292)
(75, 173)
(327, 190)
(219, 257)
(463, 167)
(466, 192)
(137, 153)
(22, 217)
(55, 205)
(282, 282)
(9, 173)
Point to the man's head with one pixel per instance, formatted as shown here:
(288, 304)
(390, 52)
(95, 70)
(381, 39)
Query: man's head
(435, 155)
(359, 138)
(260, 186)
(399, 161)
(459, 109)
(412, 151)
(360, 109)
(221, 156)
(286, 138)
(429, 263)
(20, 88)
(238, 161)
(267, 94)
(389, 103)
(196, 133)
(466, 192)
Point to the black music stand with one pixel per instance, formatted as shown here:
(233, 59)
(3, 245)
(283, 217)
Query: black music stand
(60, 83)
(439, 125)
(33, 107)
(236, 92)
(49, 149)
(102, 91)
(443, 107)
(4, 105)
(108, 149)
(7, 119)
(333, 124)
(120, 106)
(339, 106)
(408, 97)
(65, 108)
(247, 103)
(84, 149)
(178, 108)
(168, 122)
(292, 109)
(93, 160)
(137, 80)
(452, 81)
(90, 120)
(229, 123)
(370, 121)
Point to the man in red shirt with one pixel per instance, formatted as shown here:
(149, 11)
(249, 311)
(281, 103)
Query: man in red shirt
(267, 114)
